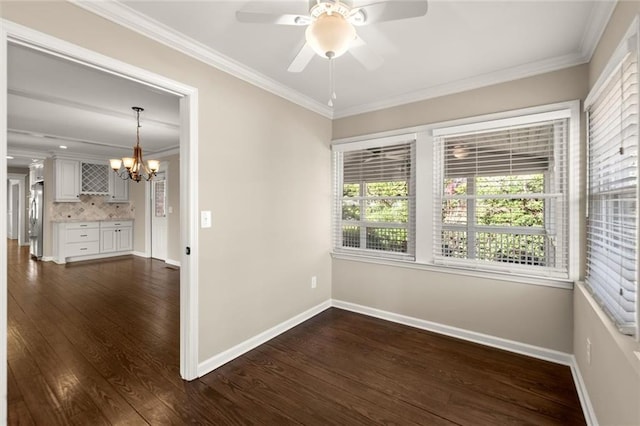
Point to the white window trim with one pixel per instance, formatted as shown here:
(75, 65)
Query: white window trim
(424, 183)
(337, 196)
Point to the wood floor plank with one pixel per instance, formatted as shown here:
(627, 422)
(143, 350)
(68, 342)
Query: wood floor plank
(86, 346)
(467, 374)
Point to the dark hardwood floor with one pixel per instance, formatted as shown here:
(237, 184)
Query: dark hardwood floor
(87, 346)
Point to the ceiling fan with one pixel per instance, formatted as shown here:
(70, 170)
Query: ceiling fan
(331, 27)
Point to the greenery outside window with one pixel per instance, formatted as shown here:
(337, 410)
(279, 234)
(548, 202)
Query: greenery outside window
(375, 198)
(500, 198)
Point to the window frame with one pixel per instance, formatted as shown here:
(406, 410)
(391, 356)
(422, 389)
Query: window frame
(424, 155)
(564, 151)
(629, 44)
(338, 198)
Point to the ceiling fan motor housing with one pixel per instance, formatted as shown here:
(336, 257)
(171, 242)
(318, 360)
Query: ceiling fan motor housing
(317, 8)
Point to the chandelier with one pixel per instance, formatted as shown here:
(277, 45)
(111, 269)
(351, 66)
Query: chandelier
(133, 167)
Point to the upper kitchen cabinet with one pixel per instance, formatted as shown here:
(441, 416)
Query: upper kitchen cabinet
(36, 172)
(118, 189)
(94, 179)
(67, 180)
(76, 177)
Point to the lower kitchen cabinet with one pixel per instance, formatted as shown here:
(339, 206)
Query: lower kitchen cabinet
(116, 236)
(91, 240)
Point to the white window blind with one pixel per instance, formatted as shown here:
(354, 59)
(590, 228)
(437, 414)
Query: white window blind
(500, 198)
(374, 208)
(612, 224)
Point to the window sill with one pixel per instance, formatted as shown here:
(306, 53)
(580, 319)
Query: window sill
(494, 275)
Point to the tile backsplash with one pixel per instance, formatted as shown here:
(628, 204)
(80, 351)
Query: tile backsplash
(90, 207)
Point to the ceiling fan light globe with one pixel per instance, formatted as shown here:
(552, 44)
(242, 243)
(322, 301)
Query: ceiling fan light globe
(330, 35)
(460, 152)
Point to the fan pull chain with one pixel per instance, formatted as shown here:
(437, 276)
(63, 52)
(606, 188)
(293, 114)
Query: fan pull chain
(332, 82)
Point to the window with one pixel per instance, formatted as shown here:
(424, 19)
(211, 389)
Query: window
(375, 198)
(612, 223)
(500, 197)
(498, 193)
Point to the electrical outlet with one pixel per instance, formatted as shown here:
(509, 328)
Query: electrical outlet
(314, 282)
(588, 351)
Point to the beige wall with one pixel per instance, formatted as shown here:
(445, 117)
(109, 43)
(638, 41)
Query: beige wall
(564, 85)
(264, 172)
(527, 313)
(535, 315)
(618, 25)
(613, 376)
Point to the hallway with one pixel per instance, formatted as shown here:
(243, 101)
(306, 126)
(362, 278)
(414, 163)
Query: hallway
(89, 341)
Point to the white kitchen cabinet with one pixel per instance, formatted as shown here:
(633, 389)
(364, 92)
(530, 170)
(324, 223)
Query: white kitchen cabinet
(118, 189)
(36, 173)
(67, 180)
(91, 240)
(116, 236)
(94, 178)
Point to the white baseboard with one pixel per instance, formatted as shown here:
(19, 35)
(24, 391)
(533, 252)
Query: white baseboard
(583, 395)
(222, 358)
(47, 258)
(460, 333)
(172, 262)
(551, 355)
(141, 254)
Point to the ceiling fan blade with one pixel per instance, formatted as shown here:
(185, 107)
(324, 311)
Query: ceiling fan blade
(302, 59)
(365, 55)
(270, 18)
(391, 11)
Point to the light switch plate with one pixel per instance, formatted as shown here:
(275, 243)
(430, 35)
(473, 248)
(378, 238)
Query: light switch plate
(205, 219)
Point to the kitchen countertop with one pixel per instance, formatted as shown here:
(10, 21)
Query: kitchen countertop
(108, 219)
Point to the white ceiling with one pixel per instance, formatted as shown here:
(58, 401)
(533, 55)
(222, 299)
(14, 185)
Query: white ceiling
(53, 101)
(457, 46)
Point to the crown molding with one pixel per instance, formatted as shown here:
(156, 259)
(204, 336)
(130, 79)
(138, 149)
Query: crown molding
(123, 15)
(86, 107)
(127, 17)
(165, 153)
(598, 20)
(477, 82)
(59, 138)
(25, 153)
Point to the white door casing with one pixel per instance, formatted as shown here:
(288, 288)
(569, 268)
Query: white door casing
(15, 33)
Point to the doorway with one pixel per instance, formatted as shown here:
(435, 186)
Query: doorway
(12, 33)
(19, 206)
(159, 226)
(13, 210)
